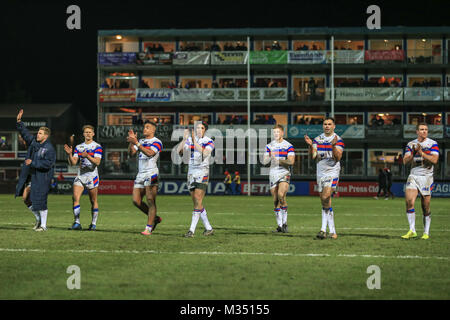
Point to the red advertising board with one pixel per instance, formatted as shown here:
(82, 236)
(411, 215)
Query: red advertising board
(112, 95)
(116, 187)
(7, 155)
(395, 55)
(352, 189)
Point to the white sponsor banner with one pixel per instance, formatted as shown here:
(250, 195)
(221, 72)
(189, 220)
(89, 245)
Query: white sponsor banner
(346, 56)
(307, 57)
(192, 94)
(424, 94)
(229, 57)
(366, 94)
(434, 131)
(191, 57)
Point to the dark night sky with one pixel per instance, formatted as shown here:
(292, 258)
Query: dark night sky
(47, 63)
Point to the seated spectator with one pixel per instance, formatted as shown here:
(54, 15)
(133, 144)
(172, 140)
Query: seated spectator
(143, 84)
(215, 85)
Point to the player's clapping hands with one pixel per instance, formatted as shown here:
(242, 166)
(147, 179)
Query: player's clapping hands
(132, 137)
(68, 149)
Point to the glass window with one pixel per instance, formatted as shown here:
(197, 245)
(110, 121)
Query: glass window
(424, 50)
(230, 82)
(348, 44)
(308, 88)
(195, 45)
(190, 118)
(270, 82)
(385, 81)
(231, 118)
(268, 45)
(165, 163)
(424, 81)
(265, 118)
(117, 162)
(379, 159)
(120, 80)
(307, 119)
(385, 44)
(195, 82)
(429, 118)
(345, 82)
(158, 46)
(134, 117)
(6, 141)
(157, 82)
(349, 118)
(380, 119)
(121, 44)
(304, 164)
(352, 162)
(232, 45)
(302, 45)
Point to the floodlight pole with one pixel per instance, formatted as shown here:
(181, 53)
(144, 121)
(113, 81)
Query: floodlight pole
(248, 117)
(332, 76)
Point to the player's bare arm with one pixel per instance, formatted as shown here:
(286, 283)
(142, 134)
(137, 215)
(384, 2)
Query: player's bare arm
(288, 162)
(132, 139)
(180, 147)
(205, 151)
(131, 136)
(19, 115)
(337, 152)
(71, 159)
(311, 150)
(95, 161)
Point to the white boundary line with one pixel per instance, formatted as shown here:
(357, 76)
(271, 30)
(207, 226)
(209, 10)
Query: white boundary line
(286, 254)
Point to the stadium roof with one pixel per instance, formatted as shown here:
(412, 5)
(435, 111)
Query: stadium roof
(286, 32)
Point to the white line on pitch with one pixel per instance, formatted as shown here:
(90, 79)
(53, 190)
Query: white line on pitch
(286, 254)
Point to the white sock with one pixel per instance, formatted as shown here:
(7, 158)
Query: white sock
(278, 216)
(283, 212)
(195, 218)
(331, 220)
(411, 215)
(76, 213)
(426, 224)
(324, 219)
(205, 220)
(35, 213)
(94, 216)
(43, 214)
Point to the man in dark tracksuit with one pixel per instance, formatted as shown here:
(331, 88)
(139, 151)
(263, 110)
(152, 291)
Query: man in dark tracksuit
(41, 157)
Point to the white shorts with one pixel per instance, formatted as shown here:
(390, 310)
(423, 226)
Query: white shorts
(198, 179)
(146, 179)
(86, 181)
(327, 182)
(424, 184)
(275, 179)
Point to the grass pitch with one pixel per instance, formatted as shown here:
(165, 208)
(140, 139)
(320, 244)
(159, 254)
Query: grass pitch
(243, 260)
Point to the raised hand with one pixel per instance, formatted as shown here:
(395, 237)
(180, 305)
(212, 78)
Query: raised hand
(132, 137)
(68, 149)
(308, 140)
(19, 115)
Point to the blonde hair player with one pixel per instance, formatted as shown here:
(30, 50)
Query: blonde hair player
(281, 156)
(90, 154)
(327, 149)
(423, 154)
